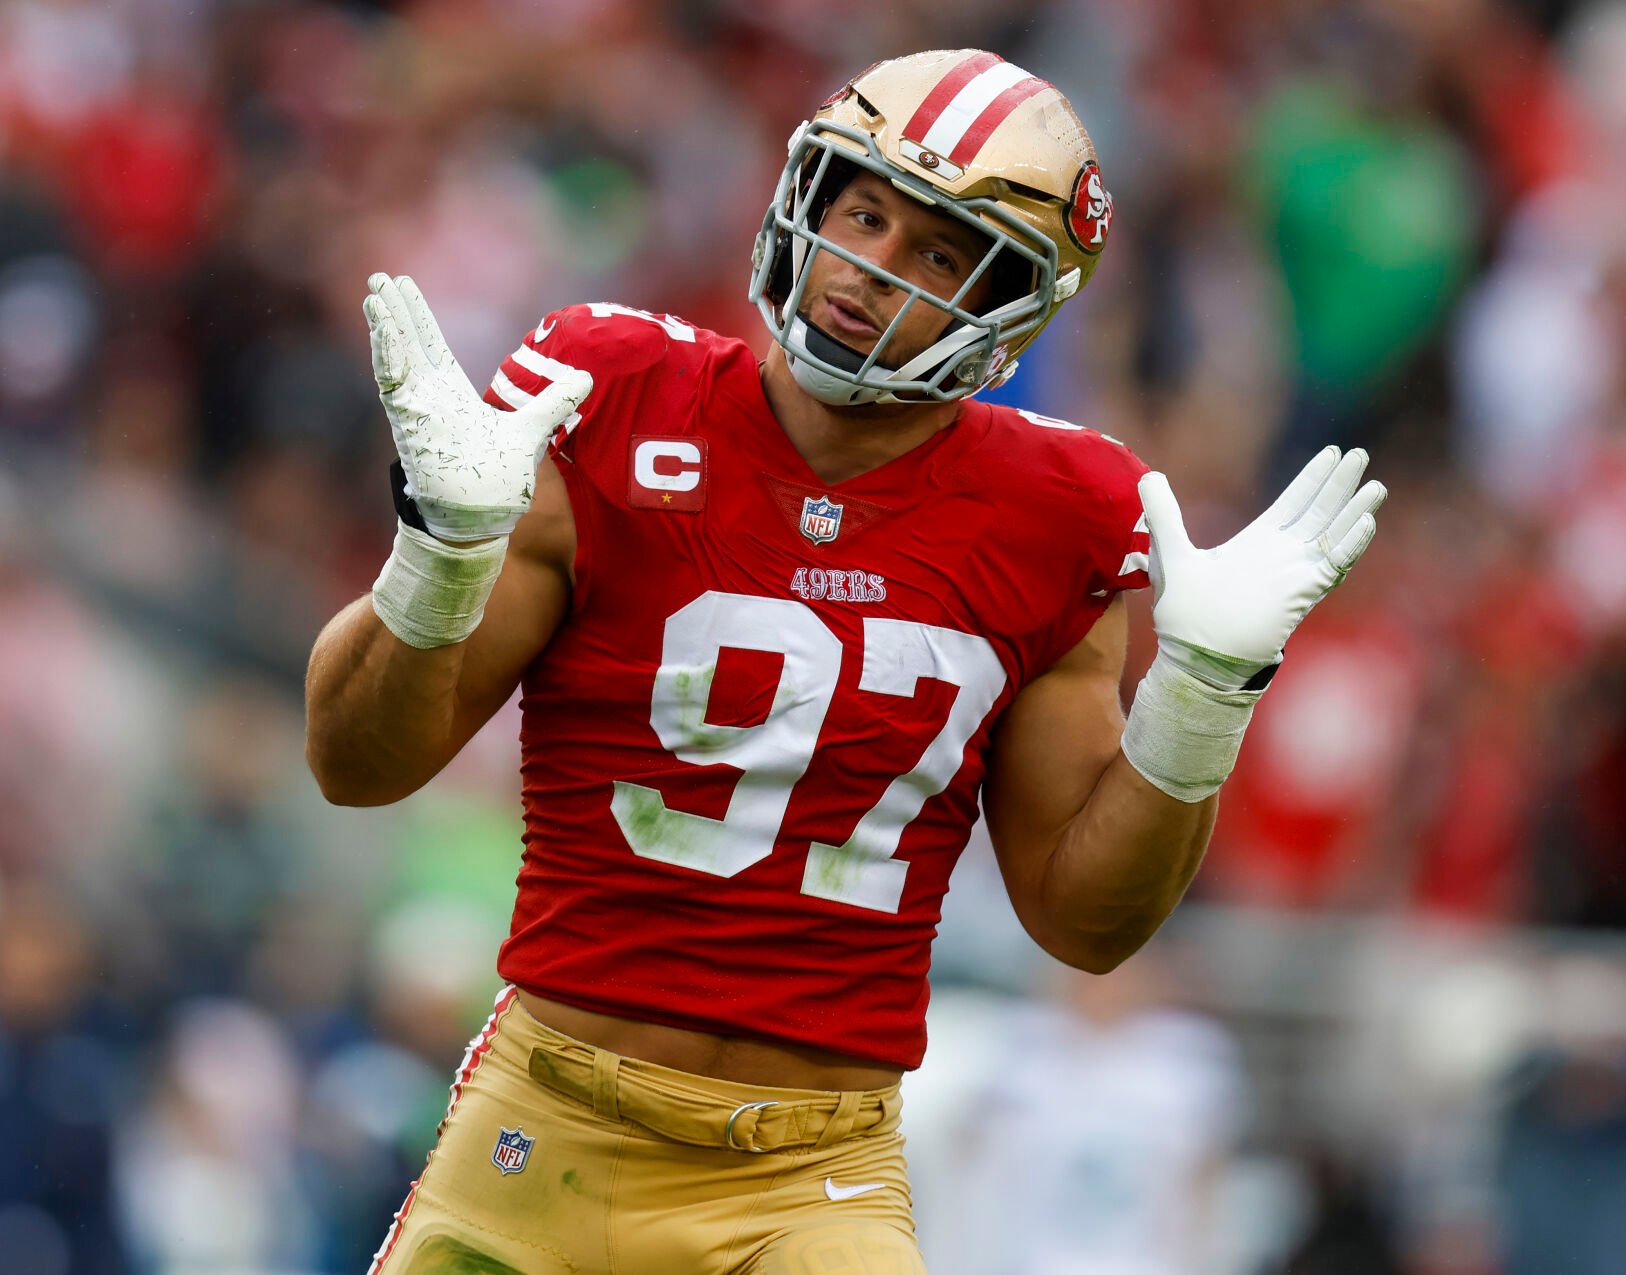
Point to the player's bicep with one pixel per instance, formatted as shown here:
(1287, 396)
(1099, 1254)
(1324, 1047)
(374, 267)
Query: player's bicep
(528, 604)
(1052, 746)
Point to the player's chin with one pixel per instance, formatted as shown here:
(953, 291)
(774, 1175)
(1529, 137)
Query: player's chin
(849, 349)
(857, 349)
(859, 345)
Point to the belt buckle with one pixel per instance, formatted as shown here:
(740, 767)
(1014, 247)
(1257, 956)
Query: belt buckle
(728, 1129)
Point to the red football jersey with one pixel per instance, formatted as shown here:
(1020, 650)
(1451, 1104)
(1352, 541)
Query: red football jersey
(752, 753)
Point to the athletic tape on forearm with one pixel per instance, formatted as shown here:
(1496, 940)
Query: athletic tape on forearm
(431, 593)
(1183, 735)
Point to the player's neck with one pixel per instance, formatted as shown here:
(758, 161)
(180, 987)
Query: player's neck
(839, 443)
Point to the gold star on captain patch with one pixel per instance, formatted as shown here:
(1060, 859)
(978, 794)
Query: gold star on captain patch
(666, 498)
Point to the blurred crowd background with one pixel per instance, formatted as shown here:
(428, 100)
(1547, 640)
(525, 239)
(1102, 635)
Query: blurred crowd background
(1387, 1033)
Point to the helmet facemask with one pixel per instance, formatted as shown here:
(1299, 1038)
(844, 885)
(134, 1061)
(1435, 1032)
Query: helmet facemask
(970, 354)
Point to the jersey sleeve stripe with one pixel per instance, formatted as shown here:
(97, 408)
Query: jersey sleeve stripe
(1135, 573)
(511, 395)
(522, 378)
(533, 360)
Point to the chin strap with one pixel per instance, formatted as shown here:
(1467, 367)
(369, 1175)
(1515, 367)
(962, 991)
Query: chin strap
(805, 341)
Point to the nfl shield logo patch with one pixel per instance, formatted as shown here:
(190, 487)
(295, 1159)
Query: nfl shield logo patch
(821, 519)
(513, 1149)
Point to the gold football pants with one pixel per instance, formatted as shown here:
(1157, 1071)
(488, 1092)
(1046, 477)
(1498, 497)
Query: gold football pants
(556, 1158)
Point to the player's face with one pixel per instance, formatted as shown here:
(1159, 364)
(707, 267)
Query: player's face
(876, 221)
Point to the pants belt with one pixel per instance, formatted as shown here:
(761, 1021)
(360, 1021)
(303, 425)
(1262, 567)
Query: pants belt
(655, 1097)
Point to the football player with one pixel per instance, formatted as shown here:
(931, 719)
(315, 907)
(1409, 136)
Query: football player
(776, 627)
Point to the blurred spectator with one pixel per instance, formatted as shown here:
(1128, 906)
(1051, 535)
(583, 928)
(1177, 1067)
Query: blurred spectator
(1347, 1235)
(1580, 878)
(1312, 798)
(1495, 730)
(216, 851)
(1562, 1154)
(206, 1170)
(1098, 1139)
(77, 707)
(64, 1077)
(1564, 1166)
(1536, 355)
(1370, 207)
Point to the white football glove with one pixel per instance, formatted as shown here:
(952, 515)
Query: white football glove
(1224, 614)
(470, 469)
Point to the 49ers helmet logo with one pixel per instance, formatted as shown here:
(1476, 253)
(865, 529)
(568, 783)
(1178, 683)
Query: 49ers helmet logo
(1089, 214)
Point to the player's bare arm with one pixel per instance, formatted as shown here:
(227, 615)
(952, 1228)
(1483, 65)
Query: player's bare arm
(383, 717)
(1094, 857)
(1099, 829)
(403, 677)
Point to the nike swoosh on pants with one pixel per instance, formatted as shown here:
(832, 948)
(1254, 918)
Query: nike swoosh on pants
(847, 1192)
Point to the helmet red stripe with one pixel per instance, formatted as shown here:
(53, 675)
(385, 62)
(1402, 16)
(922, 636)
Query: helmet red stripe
(993, 115)
(927, 112)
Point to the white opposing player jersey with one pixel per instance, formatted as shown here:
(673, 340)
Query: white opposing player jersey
(1093, 1150)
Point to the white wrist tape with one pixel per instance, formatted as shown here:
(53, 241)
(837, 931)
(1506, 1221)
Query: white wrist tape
(431, 593)
(1183, 735)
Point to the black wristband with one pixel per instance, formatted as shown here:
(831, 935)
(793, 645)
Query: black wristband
(406, 509)
(1261, 679)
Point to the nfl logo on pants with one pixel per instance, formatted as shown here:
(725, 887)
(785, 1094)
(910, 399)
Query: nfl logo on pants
(513, 1149)
(821, 519)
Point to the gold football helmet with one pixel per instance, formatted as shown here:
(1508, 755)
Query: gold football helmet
(983, 141)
